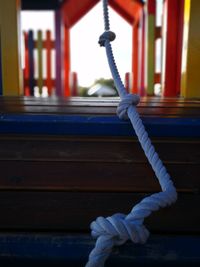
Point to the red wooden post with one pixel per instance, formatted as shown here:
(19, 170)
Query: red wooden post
(74, 84)
(172, 47)
(66, 61)
(49, 62)
(128, 82)
(59, 53)
(26, 66)
(142, 55)
(135, 58)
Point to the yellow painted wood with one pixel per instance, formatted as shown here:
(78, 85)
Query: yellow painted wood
(40, 60)
(190, 78)
(150, 54)
(10, 47)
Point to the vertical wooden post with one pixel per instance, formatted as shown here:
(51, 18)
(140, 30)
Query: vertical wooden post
(49, 62)
(142, 52)
(10, 47)
(128, 82)
(1, 77)
(31, 62)
(191, 50)
(66, 61)
(40, 61)
(59, 56)
(26, 66)
(172, 47)
(151, 10)
(74, 87)
(135, 58)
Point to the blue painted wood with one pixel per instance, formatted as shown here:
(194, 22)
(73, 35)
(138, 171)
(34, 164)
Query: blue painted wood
(31, 61)
(96, 125)
(72, 250)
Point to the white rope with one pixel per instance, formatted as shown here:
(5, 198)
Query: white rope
(118, 228)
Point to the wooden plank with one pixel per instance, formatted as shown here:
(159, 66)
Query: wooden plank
(31, 62)
(163, 112)
(67, 249)
(135, 58)
(96, 149)
(94, 176)
(49, 63)
(59, 56)
(151, 7)
(172, 47)
(40, 61)
(1, 77)
(10, 47)
(66, 61)
(74, 211)
(26, 65)
(74, 84)
(142, 61)
(191, 47)
(147, 101)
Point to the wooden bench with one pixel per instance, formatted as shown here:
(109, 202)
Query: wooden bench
(65, 162)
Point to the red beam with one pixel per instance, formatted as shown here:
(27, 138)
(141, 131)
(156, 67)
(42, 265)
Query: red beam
(73, 10)
(130, 10)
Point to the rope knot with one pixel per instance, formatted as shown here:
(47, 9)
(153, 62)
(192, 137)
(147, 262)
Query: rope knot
(125, 103)
(106, 36)
(119, 229)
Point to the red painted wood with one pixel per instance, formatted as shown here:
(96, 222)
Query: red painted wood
(49, 62)
(26, 65)
(73, 10)
(128, 82)
(74, 87)
(128, 9)
(142, 56)
(66, 61)
(174, 12)
(76, 9)
(135, 58)
(151, 7)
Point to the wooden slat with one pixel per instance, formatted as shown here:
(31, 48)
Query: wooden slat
(10, 47)
(31, 62)
(75, 211)
(93, 176)
(40, 61)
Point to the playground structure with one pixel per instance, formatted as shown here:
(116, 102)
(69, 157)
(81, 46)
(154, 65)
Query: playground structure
(178, 31)
(65, 161)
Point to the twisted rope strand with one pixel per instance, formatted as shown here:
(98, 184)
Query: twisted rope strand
(118, 228)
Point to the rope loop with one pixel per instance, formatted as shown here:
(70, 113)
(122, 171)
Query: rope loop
(127, 101)
(106, 36)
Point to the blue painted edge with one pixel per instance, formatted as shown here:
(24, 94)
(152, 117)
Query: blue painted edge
(167, 249)
(96, 125)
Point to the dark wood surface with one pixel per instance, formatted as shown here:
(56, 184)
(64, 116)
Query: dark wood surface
(147, 106)
(74, 211)
(62, 182)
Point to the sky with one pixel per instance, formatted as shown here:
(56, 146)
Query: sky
(88, 59)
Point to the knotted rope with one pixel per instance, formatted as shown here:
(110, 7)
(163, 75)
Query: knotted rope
(118, 228)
